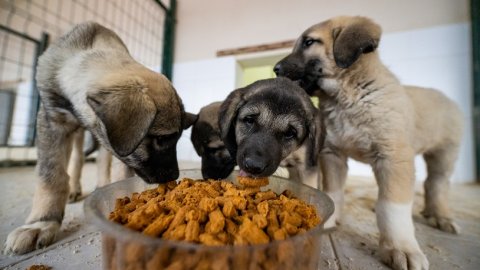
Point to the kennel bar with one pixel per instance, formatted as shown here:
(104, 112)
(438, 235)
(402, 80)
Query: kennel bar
(475, 15)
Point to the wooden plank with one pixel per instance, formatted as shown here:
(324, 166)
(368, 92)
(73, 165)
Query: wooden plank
(257, 48)
(354, 252)
(328, 259)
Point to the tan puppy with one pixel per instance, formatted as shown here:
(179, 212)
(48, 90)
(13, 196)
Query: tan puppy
(88, 80)
(371, 117)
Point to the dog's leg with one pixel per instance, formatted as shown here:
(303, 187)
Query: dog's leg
(294, 173)
(395, 177)
(54, 140)
(440, 164)
(104, 162)
(334, 169)
(75, 166)
(120, 171)
(309, 177)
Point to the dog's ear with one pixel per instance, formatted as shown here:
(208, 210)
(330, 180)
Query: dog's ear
(199, 135)
(315, 140)
(189, 120)
(126, 114)
(361, 36)
(227, 117)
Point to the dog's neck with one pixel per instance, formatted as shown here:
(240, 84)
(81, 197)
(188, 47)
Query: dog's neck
(356, 83)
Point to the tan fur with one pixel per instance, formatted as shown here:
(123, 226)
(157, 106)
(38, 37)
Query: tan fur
(88, 80)
(371, 117)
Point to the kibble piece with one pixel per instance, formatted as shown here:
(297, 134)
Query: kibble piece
(252, 182)
(252, 233)
(280, 234)
(192, 231)
(231, 227)
(262, 196)
(159, 225)
(216, 222)
(208, 204)
(229, 209)
(209, 240)
(239, 202)
(38, 267)
(260, 221)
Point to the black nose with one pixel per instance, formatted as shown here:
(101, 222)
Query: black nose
(254, 166)
(277, 69)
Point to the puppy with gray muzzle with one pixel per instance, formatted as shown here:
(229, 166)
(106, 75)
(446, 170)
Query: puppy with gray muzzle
(88, 80)
(370, 117)
(217, 163)
(262, 123)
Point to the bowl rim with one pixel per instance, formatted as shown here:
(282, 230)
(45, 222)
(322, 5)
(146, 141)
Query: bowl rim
(120, 232)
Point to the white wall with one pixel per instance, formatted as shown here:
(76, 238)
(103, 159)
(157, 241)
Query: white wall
(200, 83)
(206, 26)
(438, 57)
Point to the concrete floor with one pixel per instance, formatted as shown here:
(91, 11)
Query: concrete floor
(351, 246)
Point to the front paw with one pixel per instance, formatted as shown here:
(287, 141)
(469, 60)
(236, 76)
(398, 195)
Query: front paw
(74, 196)
(31, 236)
(445, 224)
(404, 260)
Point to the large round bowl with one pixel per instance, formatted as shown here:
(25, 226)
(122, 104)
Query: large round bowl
(127, 249)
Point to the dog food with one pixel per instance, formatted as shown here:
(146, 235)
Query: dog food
(38, 267)
(215, 213)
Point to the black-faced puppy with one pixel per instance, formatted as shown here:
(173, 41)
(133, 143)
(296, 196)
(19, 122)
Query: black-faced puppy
(88, 80)
(371, 117)
(264, 122)
(217, 163)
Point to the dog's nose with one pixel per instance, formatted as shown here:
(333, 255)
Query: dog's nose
(277, 69)
(254, 166)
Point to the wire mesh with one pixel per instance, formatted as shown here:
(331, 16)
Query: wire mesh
(138, 22)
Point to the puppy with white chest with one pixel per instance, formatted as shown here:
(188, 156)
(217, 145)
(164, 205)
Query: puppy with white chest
(217, 163)
(262, 123)
(88, 80)
(371, 117)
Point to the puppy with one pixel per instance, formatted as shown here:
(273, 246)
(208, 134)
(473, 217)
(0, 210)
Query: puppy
(300, 170)
(262, 123)
(88, 80)
(371, 117)
(217, 163)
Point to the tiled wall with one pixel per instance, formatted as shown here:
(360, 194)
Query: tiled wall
(438, 57)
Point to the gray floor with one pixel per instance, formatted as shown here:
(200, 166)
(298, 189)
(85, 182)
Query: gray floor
(351, 246)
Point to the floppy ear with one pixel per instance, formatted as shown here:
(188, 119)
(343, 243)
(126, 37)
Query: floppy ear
(362, 36)
(189, 120)
(199, 135)
(227, 117)
(126, 114)
(315, 140)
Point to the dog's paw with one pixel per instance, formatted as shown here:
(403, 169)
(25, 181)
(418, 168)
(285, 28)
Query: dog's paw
(443, 224)
(74, 196)
(31, 236)
(403, 260)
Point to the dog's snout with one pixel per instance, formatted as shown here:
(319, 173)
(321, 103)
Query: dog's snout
(158, 177)
(254, 166)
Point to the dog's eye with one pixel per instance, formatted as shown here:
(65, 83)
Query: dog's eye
(249, 120)
(291, 133)
(308, 42)
(166, 139)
